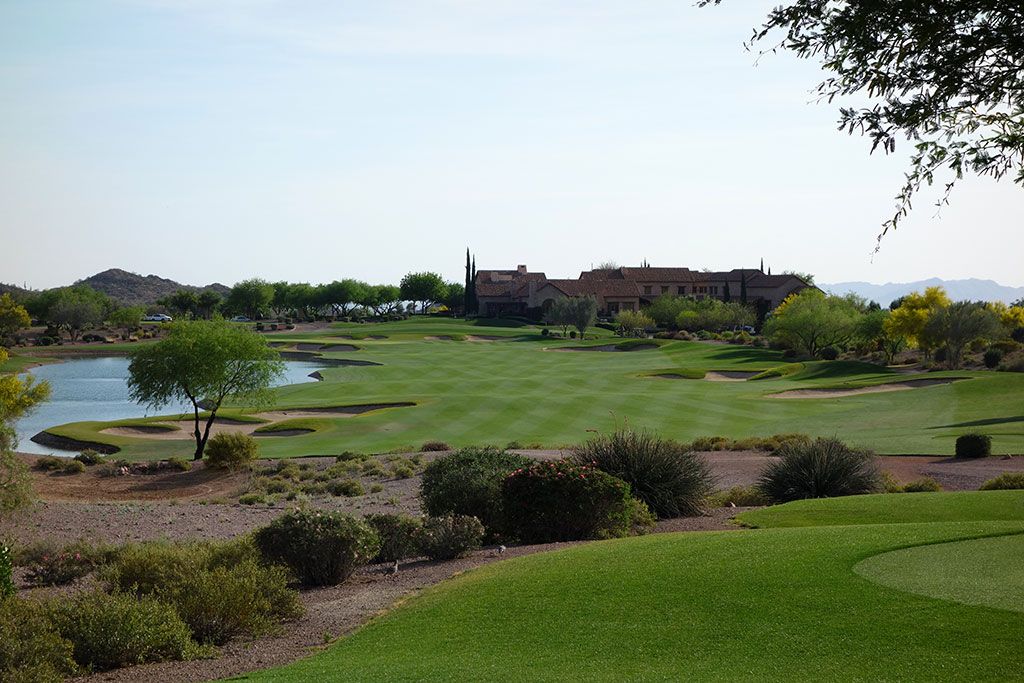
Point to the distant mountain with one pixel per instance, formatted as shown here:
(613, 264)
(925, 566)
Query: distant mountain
(972, 289)
(132, 289)
(18, 293)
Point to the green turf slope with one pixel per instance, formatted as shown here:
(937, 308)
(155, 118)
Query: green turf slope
(887, 508)
(768, 604)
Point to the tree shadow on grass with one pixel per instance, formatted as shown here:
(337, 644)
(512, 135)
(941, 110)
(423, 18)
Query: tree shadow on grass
(982, 423)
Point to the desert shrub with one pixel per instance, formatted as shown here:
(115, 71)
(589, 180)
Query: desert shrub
(89, 457)
(73, 466)
(1015, 364)
(376, 488)
(669, 478)
(922, 485)
(230, 451)
(709, 443)
(179, 464)
(973, 446)
(31, 650)
(565, 501)
(1006, 480)
(890, 484)
(941, 354)
(321, 548)
(6, 567)
(545, 332)
(109, 469)
(111, 630)
(1018, 335)
(992, 358)
(402, 471)
(252, 499)
(220, 590)
(449, 536)
(59, 568)
(398, 536)
(430, 446)
(740, 496)
(1007, 345)
(229, 600)
(824, 468)
(346, 487)
(49, 463)
(829, 353)
(469, 482)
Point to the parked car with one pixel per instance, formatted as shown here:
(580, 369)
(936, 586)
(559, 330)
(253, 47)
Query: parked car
(158, 318)
(240, 319)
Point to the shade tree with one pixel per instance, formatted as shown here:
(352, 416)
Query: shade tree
(203, 363)
(811, 320)
(424, 288)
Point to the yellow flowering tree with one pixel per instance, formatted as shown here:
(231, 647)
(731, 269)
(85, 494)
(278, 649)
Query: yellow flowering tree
(17, 396)
(910, 319)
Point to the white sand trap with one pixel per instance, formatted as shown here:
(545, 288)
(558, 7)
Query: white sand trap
(184, 430)
(877, 389)
(483, 337)
(728, 375)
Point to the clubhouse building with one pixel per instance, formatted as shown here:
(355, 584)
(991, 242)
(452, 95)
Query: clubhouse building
(628, 289)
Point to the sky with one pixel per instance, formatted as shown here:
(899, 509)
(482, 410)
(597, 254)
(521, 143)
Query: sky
(216, 140)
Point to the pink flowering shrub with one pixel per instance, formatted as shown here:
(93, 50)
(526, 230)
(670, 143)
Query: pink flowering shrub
(59, 568)
(564, 501)
(321, 548)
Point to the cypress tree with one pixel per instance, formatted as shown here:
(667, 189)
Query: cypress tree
(468, 291)
(727, 297)
(743, 288)
(472, 282)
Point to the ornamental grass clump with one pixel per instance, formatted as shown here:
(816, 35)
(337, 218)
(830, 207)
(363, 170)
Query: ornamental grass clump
(672, 480)
(321, 548)
(1005, 481)
(824, 468)
(564, 501)
(469, 482)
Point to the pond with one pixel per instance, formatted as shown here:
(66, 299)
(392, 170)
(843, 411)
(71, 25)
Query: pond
(97, 389)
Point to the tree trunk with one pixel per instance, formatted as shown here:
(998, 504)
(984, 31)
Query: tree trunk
(200, 444)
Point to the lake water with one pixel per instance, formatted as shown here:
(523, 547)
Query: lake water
(97, 389)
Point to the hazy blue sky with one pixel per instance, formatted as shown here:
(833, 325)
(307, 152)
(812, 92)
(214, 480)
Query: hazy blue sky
(220, 139)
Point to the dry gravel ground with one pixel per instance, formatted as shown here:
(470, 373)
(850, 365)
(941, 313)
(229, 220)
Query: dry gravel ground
(174, 505)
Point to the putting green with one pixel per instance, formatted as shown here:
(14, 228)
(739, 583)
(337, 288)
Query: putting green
(984, 571)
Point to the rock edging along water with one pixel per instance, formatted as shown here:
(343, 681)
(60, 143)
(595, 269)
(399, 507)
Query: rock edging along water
(64, 443)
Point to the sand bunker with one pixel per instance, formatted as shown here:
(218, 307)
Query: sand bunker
(728, 375)
(339, 347)
(145, 430)
(877, 389)
(182, 429)
(439, 337)
(484, 337)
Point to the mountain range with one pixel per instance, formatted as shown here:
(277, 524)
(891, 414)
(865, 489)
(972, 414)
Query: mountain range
(972, 289)
(129, 289)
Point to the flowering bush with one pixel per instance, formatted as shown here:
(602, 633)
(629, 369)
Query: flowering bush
(321, 548)
(59, 568)
(565, 501)
(6, 583)
(468, 482)
(450, 536)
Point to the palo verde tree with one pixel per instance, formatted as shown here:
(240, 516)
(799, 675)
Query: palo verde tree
(960, 323)
(13, 317)
(17, 397)
(947, 75)
(810, 321)
(582, 312)
(204, 362)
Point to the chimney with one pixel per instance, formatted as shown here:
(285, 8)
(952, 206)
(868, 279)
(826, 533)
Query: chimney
(522, 270)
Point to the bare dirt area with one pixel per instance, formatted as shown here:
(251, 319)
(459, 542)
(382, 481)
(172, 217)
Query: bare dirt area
(954, 474)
